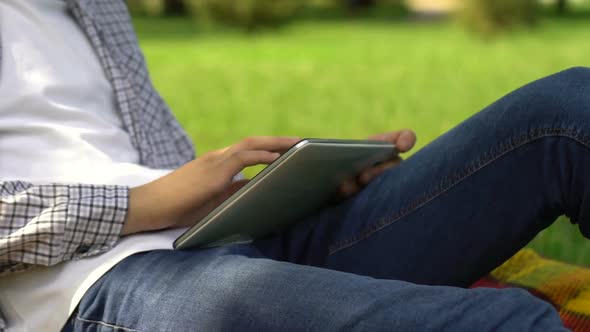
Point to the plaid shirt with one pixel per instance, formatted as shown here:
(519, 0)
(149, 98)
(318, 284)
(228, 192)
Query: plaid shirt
(48, 224)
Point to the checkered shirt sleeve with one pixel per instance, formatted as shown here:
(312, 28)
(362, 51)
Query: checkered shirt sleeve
(48, 224)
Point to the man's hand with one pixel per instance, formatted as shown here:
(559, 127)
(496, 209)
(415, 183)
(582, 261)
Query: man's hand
(404, 141)
(195, 189)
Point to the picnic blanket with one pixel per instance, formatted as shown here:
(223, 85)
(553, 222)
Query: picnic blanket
(566, 286)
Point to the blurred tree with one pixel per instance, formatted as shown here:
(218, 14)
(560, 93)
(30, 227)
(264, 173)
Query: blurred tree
(353, 4)
(489, 17)
(174, 7)
(561, 6)
(155, 7)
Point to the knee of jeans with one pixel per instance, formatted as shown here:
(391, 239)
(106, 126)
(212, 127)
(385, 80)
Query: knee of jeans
(563, 95)
(525, 312)
(561, 100)
(574, 74)
(570, 86)
(522, 298)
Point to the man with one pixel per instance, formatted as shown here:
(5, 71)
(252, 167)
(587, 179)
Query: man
(97, 176)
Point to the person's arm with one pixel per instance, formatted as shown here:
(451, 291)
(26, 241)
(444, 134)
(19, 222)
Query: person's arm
(48, 224)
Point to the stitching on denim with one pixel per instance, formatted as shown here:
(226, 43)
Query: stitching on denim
(106, 324)
(446, 184)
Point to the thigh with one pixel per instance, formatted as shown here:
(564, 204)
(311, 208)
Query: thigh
(467, 201)
(234, 288)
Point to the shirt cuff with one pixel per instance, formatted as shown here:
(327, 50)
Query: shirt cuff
(94, 219)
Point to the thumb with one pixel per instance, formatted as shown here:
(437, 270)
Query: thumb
(405, 141)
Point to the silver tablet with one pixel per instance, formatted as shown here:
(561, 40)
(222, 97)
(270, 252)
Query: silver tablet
(296, 184)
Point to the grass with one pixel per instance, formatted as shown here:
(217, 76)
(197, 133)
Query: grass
(349, 79)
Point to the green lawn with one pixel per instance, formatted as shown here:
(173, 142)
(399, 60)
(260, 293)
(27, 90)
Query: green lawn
(350, 79)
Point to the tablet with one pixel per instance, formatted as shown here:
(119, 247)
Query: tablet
(295, 185)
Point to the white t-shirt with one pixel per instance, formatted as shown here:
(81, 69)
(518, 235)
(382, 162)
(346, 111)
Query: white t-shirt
(59, 123)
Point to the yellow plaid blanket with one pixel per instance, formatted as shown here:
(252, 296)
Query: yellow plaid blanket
(566, 286)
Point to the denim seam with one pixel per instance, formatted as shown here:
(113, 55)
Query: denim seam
(106, 324)
(449, 182)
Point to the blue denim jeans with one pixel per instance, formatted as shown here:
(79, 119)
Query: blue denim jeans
(397, 255)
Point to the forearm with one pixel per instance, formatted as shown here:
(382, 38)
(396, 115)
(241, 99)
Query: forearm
(145, 204)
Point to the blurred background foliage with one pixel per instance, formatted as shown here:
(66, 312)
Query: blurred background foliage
(351, 68)
(249, 14)
(485, 17)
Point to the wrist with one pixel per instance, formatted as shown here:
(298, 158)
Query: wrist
(143, 214)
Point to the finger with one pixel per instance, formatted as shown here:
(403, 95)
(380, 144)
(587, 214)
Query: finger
(266, 143)
(368, 175)
(239, 160)
(349, 187)
(371, 173)
(404, 139)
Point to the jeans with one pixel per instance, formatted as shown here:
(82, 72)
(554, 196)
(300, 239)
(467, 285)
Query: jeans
(397, 255)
